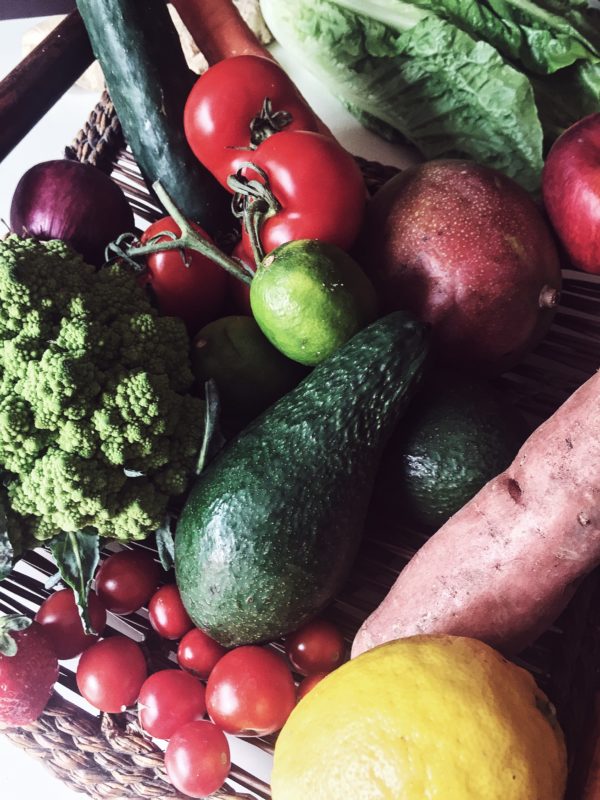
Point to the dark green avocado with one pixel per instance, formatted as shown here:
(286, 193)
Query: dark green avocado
(459, 433)
(272, 526)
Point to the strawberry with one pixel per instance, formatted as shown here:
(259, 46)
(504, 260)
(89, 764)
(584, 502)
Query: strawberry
(28, 670)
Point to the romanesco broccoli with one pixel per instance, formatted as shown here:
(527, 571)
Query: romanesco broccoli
(96, 426)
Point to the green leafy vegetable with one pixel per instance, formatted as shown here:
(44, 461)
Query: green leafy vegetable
(165, 544)
(6, 549)
(97, 426)
(77, 555)
(453, 77)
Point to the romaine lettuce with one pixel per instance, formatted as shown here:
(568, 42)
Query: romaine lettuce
(494, 80)
(443, 91)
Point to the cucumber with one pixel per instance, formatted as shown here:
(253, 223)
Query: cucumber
(271, 528)
(148, 79)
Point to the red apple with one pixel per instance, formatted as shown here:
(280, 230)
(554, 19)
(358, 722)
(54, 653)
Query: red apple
(467, 250)
(571, 189)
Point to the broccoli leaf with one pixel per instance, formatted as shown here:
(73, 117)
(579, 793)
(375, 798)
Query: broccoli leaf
(447, 93)
(165, 544)
(213, 439)
(8, 554)
(77, 556)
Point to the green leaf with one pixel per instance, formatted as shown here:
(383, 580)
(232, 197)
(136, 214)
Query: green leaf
(6, 552)
(440, 88)
(542, 37)
(212, 440)
(165, 544)
(9, 624)
(77, 556)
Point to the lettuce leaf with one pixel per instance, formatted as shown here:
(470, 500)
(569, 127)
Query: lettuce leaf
(542, 37)
(442, 90)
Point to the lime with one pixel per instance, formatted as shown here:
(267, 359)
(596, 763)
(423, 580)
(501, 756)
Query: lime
(309, 298)
(249, 372)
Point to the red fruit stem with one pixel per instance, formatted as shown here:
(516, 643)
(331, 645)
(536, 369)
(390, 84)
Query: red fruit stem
(267, 122)
(254, 202)
(188, 240)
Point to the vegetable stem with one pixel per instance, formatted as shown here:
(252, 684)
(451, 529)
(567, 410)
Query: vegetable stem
(188, 240)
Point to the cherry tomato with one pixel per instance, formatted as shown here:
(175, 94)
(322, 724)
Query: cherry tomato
(167, 614)
(223, 103)
(126, 580)
(197, 759)
(198, 653)
(305, 686)
(60, 619)
(319, 188)
(110, 674)
(250, 692)
(169, 699)
(186, 285)
(317, 646)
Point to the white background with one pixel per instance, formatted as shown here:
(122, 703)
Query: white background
(20, 775)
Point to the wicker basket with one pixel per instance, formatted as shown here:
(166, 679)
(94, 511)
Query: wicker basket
(107, 756)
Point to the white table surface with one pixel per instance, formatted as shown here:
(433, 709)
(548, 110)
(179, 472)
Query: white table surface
(21, 776)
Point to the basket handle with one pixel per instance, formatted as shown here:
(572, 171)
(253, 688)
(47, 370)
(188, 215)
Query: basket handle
(37, 82)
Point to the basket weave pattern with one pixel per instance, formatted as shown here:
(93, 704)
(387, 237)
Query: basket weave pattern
(109, 757)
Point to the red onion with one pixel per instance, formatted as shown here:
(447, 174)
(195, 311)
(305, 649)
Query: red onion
(71, 201)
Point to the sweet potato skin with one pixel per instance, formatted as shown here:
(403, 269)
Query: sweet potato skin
(504, 566)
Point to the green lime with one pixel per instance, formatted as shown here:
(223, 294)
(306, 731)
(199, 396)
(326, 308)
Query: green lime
(249, 372)
(309, 298)
(459, 433)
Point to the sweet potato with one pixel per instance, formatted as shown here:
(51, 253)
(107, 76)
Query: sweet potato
(504, 566)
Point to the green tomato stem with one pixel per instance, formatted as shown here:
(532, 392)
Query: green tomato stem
(188, 240)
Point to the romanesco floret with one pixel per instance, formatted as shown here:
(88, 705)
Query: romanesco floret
(97, 428)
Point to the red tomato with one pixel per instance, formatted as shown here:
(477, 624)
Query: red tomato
(317, 646)
(318, 185)
(197, 759)
(126, 580)
(198, 653)
(60, 619)
(224, 101)
(305, 686)
(169, 699)
(250, 692)
(110, 674)
(186, 285)
(167, 614)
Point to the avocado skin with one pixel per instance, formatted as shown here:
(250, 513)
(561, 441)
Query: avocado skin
(272, 526)
(458, 434)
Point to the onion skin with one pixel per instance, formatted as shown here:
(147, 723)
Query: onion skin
(71, 201)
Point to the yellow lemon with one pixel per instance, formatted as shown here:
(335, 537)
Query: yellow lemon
(425, 717)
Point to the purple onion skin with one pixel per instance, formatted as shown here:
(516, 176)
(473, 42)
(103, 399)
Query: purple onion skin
(71, 201)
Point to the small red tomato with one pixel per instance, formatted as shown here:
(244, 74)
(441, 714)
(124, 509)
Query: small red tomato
(167, 614)
(317, 646)
(197, 759)
(250, 692)
(169, 699)
(198, 653)
(309, 683)
(186, 284)
(110, 674)
(27, 677)
(60, 619)
(126, 580)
